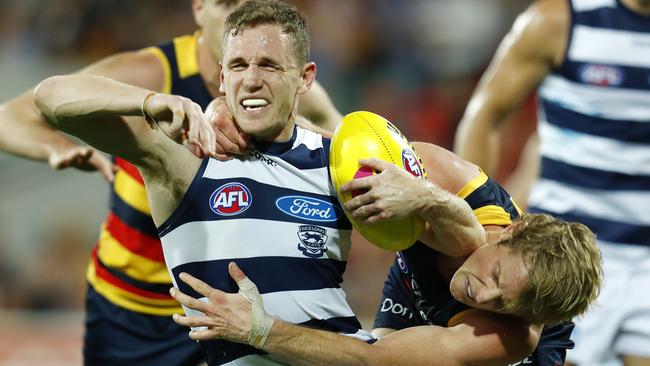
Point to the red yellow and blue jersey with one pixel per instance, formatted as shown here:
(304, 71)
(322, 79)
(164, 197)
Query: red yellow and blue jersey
(127, 265)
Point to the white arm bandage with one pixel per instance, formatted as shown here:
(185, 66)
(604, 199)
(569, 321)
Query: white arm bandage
(261, 322)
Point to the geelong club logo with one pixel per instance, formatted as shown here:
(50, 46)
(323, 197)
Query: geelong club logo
(312, 240)
(230, 199)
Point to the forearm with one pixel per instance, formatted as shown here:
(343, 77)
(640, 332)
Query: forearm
(452, 227)
(478, 138)
(300, 346)
(24, 133)
(64, 99)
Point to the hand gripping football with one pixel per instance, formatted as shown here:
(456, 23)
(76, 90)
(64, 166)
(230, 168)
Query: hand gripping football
(363, 135)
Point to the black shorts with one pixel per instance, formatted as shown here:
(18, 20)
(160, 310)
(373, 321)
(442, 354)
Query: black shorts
(116, 336)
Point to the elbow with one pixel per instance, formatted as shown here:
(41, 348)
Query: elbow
(44, 98)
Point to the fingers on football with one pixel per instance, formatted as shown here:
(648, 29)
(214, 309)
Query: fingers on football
(363, 213)
(360, 200)
(377, 164)
(364, 183)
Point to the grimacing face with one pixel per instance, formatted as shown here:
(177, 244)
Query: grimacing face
(211, 15)
(491, 277)
(262, 79)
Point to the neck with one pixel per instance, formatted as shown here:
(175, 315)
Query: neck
(209, 66)
(638, 6)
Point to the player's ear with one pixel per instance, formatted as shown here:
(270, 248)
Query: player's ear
(308, 75)
(197, 11)
(222, 90)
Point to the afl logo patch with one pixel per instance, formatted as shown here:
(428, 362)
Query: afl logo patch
(230, 199)
(411, 163)
(308, 208)
(312, 240)
(601, 75)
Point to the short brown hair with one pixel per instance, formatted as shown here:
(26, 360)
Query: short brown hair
(257, 12)
(564, 268)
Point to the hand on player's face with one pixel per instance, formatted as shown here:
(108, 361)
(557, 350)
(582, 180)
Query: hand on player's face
(230, 140)
(181, 119)
(225, 316)
(392, 193)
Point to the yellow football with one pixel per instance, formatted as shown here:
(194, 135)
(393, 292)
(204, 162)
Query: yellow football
(363, 135)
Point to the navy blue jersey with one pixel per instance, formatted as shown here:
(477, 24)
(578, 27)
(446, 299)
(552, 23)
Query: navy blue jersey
(416, 294)
(275, 213)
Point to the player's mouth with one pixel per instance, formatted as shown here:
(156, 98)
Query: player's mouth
(468, 291)
(254, 104)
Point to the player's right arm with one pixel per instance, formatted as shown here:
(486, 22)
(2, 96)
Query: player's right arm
(24, 133)
(107, 114)
(535, 44)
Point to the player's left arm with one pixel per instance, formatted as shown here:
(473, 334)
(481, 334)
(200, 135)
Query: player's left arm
(480, 338)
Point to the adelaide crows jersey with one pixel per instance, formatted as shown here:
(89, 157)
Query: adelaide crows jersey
(276, 215)
(127, 265)
(416, 294)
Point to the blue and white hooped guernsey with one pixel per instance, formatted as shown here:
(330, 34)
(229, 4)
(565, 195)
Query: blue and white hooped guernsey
(594, 126)
(276, 215)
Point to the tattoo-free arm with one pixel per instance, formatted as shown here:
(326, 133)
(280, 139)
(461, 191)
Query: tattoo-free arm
(479, 337)
(534, 45)
(23, 132)
(107, 114)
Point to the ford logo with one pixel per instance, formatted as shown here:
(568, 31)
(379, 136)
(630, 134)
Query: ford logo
(308, 208)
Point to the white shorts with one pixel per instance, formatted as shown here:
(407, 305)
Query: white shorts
(619, 322)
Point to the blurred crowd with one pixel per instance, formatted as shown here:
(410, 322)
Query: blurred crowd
(415, 62)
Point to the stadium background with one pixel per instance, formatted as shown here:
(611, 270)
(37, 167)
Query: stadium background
(415, 62)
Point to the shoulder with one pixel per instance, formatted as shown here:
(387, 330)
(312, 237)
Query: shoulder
(544, 15)
(513, 333)
(142, 68)
(444, 168)
(544, 28)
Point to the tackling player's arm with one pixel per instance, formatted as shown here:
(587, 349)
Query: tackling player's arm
(535, 44)
(478, 337)
(107, 114)
(25, 134)
(482, 339)
(451, 226)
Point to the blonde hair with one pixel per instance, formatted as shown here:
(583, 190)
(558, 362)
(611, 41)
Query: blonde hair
(564, 268)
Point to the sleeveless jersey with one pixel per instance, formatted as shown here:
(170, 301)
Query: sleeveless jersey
(594, 125)
(127, 265)
(416, 294)
(274, 213)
